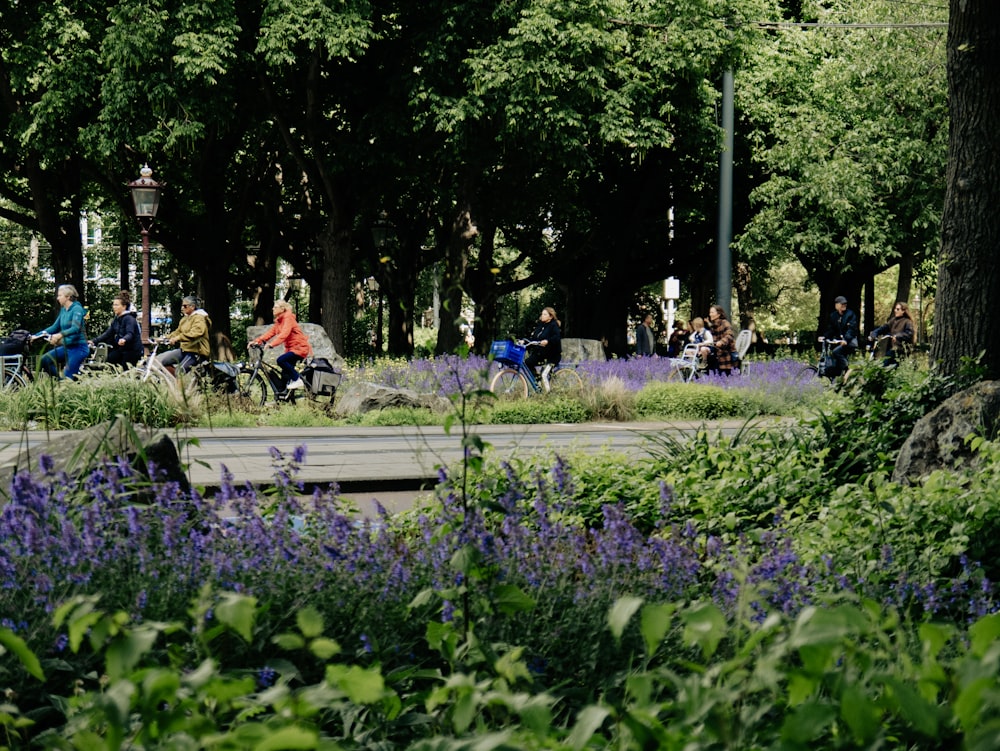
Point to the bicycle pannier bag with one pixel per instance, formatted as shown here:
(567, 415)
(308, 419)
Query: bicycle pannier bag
(16, 343)
(321, 377)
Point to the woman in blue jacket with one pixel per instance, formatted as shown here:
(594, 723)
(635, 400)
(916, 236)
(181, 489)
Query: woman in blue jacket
(68, 335)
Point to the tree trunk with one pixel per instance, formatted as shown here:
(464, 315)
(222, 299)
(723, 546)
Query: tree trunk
(463, 232)
(904, 283)
(968, 297)
(336, 285)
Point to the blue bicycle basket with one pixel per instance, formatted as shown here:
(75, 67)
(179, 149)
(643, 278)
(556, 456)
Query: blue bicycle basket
(507, 353)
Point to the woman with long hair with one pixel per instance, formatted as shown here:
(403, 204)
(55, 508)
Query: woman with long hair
(898, 331)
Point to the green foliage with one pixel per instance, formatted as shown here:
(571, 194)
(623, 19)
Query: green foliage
(690, 400)
(844, 675)
(539, 409)
(59, 405)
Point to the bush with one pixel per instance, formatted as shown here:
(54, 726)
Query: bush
(690, 401)
(539, 410)
(60, 405)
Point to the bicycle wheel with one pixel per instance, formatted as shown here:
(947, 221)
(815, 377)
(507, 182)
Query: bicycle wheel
(14, 381)
(142, 372)
(565, 380)
(252, 386)
(681, 371)
(509, 384)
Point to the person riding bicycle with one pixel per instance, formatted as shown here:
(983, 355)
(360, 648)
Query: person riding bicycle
(122, 336)
(549, 338)
(898, 330)
(68, 335)
(286, 330)
(190, 337)
(843, 329)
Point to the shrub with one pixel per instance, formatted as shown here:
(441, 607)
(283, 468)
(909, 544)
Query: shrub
(688, 400)
(538, 410)
(60, 405)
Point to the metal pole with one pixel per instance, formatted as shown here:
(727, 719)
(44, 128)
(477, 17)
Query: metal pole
(724, 284)
(146, 302)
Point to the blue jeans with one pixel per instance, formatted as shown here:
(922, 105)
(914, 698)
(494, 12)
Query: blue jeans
(287, 363)
(73, 355)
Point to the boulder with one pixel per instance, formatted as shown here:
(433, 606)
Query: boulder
(938, 440)
(79, 451)
(321, 344)
(367, 397)
(578, 350)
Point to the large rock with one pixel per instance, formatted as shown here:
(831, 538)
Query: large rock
(938, 440)
(368, 397)
(578, 350)
(321, 344)
(79, 451)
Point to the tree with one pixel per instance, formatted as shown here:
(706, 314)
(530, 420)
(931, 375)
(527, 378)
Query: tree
(846, 126)
(968, 294)
(48, 92)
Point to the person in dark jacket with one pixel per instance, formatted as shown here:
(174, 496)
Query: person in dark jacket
(843, 329)
(549, 338)
(899, 332)
(645, 337)
(123, 336)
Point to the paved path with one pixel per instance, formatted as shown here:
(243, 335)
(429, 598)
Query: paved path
(387, 462)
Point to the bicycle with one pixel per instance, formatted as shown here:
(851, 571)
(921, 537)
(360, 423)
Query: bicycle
(258, 377)
(825, 363)
(515, 378)
(14, 372)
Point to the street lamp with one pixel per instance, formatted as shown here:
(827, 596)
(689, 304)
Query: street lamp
(382, 232)
(146, 197)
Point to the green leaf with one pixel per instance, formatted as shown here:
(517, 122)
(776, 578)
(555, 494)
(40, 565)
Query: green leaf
(237, 612)
(324, 648)
(125, 651)
(860, 713)
(654, 623)
(511, 599)
(289, 641)
(19, 648)
(807, 722)
(289, 737)
(621, 613)
(822, 626)
(983, 633)
(704, 625)
(362, 686)
(310, 622)
(921, 714)
(588, 722)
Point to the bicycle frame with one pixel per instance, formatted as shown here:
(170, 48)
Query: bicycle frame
(271, 373)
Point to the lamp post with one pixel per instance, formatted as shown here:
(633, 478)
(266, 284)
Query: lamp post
(382, 232)
(146, 197)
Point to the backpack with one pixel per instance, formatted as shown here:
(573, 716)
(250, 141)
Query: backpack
(320, 377)
(16, 343)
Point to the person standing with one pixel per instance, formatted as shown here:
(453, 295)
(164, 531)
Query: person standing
(286, 330)
(67, 334)
(843, 331)
(549, 338)
(123, 335)
(899, 329)
(723, 339)
(645, 338)
(190, 337)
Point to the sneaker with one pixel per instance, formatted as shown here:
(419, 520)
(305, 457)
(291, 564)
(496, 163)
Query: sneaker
(296, 384)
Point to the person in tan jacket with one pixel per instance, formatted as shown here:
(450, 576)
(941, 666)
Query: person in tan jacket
(190, 337)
